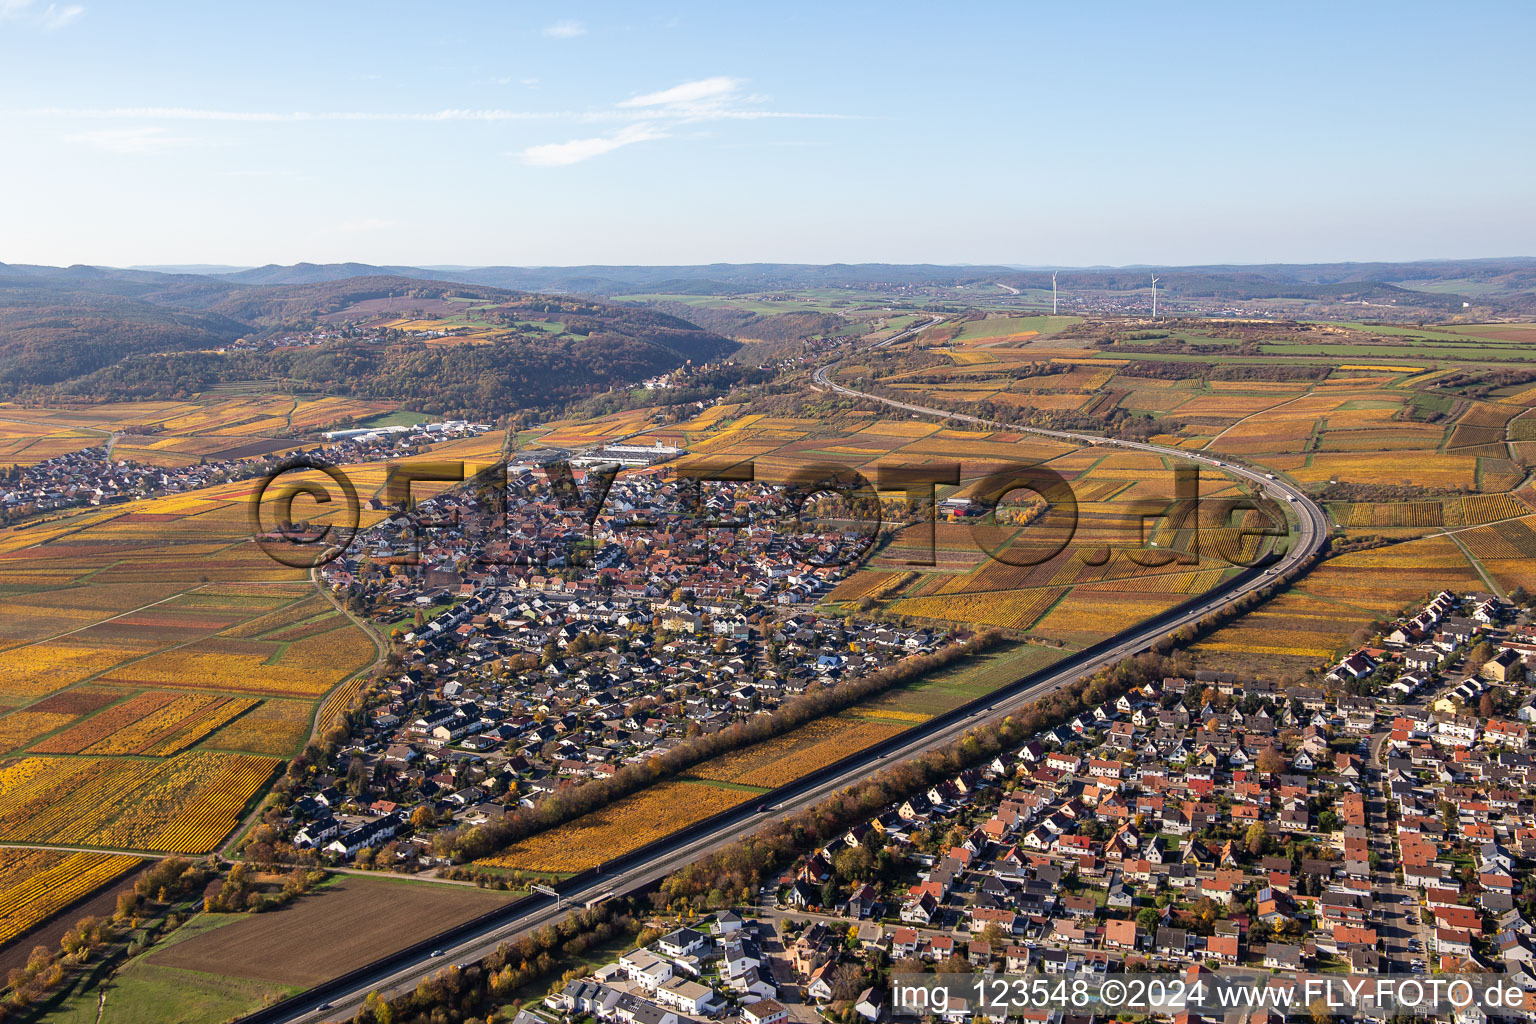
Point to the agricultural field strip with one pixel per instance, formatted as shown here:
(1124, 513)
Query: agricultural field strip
(1478, 566)
(1257, 412)
(191, 730)
(319, 699)
(38, 895)
(98, 622)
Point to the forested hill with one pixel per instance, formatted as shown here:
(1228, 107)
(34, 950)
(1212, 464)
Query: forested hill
(114, 334)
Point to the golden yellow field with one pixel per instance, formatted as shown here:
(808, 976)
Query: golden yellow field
(34, 884)
(20, 728)
(1314, 619)
(785, 758)
(139, 646)
(307, 668)
(273, 726)
(1421, 469)
(1016, 609)
(1096, 610)
(187, 803)
(579, 433)
(213, 426)
(882, 714)
(622, 826)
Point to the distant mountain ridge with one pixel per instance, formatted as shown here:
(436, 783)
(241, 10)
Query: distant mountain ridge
(1501, 284)
(615, 279)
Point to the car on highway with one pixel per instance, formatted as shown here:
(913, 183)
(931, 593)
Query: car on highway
(437, 952)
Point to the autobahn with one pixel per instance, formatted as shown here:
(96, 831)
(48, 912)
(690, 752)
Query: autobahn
(1312, 528)
(393, 977)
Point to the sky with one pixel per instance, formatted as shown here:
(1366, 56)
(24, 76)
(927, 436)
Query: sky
(542, 134)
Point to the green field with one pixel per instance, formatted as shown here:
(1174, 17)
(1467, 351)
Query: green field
(1470, 351)
(143, 993)
(816, 301)
(1355, 404)
(998, 327)
(1441, 334)
(398, 418)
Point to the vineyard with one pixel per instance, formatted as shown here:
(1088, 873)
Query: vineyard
(1093, 611)
(783, 759)
(159, 724)
(143, 735)
(43, 668)
(275, 727)
(38, 884)
(102, 727)
(1483, 423)
(340, 700)
(1485, 508)
(1465, 510)
(625, 825)
(888, 715)
(873, 585)
(1510, 539)
(20, 728)
(190, 730)
(1016, 609)
(291, 615)
(1396, 514)
(1314, 619)
(215, 811)
(1432, 470)
(305, 668)
(184, 803)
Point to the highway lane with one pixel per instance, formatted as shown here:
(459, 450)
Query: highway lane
(1313, 525)
(904, 335)
(1310, 534)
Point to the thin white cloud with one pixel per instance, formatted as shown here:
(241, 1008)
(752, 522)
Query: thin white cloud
(704, 91)
(130, 141)
(50, 19)
(628, 110)
(563, 154)
(566, 29)
(56, 17)
(655, 115)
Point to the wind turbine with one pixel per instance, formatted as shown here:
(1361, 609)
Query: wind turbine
(1154, 296)
(1053, 293)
